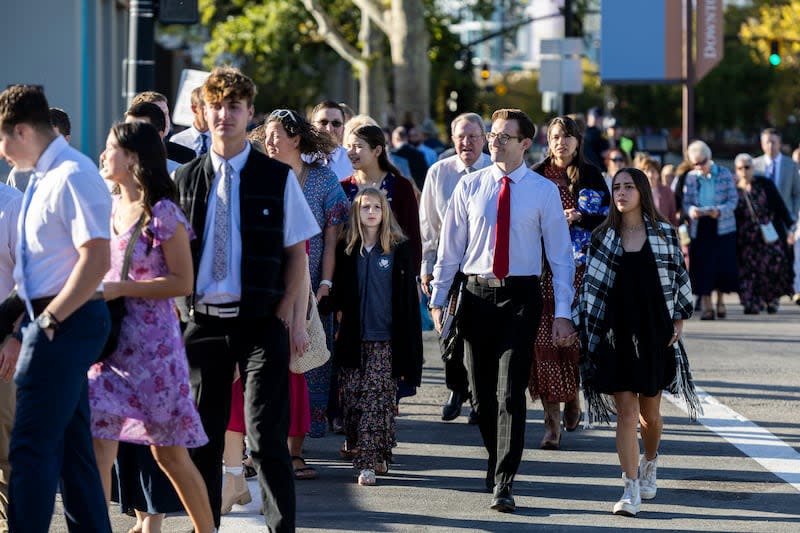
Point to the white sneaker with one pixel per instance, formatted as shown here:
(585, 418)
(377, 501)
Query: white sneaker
(366, 477)
(629, 504)
(647, 478)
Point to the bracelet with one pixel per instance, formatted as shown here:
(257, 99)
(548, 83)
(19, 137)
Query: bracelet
(328, 283)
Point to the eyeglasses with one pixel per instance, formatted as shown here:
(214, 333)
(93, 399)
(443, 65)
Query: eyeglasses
(743, 167)
(468, 138)
(502, 138)
(617, 159)
(335, 123)
(281, 114)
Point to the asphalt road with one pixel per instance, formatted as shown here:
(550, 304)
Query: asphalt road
(708, 480)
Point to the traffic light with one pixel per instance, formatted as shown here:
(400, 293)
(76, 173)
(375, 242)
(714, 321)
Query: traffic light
(485, 73)
(774, 53)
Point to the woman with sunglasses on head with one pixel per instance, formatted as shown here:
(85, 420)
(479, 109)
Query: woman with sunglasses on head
(634, 299)
(765, 269)
(585, 199)
(291, 139)
(709, 199)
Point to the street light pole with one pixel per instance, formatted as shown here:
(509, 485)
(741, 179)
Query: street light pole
(688, 85)
(140, 64)
(568, 100)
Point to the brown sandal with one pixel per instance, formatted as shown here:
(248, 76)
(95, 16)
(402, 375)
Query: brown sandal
(305, 471)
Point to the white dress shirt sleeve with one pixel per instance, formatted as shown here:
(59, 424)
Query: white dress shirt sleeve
(558, 248)
(430, 223)
(452, 244)
(299, 223)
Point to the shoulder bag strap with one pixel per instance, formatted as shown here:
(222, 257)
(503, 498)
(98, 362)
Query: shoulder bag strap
(126, 263)
(750, 206)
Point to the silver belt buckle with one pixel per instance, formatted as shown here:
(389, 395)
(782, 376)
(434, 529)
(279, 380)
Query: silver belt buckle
(227, 312)
(495, 283)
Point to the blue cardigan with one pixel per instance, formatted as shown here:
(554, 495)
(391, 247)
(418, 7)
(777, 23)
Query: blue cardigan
(725, 198)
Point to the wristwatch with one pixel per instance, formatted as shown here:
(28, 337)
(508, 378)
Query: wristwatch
(47, 321)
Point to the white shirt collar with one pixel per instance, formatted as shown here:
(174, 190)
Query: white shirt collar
(49, 155)
(237, 162)
(517, 174)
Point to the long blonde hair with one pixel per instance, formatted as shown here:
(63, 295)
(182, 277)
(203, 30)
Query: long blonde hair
(389, 233)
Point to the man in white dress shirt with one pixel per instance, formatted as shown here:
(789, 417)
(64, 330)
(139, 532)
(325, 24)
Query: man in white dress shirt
(493, 231)
(468, 137)
(62, 255)
(197, 137)
(329, 116)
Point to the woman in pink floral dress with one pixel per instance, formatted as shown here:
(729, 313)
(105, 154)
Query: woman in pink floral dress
(140, 394)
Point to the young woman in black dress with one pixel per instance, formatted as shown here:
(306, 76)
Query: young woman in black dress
(634, 298)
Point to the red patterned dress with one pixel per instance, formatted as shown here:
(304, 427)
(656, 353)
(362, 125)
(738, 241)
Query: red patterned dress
(554, 372)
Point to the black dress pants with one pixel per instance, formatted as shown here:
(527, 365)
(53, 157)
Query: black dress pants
(500, 327)
(261, 349)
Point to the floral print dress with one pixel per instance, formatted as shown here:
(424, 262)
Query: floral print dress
(141, 393)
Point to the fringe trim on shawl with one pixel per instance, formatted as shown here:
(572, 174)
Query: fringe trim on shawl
(683, 384)
(602, 406)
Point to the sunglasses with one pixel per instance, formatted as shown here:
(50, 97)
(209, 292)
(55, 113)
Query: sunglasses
(335, 123)
(281, 114)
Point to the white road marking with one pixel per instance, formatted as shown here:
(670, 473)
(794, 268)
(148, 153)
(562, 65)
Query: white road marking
(754, 441)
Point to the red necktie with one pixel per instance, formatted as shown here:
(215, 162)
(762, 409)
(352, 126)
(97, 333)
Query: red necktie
(502, 229)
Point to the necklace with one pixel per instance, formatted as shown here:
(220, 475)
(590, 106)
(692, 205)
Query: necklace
(631, 229)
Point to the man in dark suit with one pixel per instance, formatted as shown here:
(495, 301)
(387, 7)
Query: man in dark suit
(415, 158)
(251, 221)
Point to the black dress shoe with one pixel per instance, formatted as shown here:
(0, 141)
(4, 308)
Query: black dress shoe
(452, 408)
(502, 500)
(473, 417)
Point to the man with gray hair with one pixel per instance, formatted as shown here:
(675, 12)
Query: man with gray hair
(468, 138)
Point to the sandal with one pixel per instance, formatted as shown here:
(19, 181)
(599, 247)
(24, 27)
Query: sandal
(382, 468)
(571, 418)
(305, 471)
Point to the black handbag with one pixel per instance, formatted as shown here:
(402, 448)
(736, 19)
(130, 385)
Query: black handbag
(116, 307)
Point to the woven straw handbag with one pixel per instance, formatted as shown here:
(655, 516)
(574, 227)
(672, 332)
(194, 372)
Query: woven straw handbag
(317, 353)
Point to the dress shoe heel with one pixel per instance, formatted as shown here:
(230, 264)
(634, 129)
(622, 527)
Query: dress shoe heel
(452, 408)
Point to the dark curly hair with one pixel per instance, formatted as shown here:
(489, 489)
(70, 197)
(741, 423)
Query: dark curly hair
(313, 142)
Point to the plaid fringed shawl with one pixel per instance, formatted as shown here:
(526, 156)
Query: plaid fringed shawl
(603, 259)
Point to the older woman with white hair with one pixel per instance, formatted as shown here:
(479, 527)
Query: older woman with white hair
(765, 269)
(709, 200)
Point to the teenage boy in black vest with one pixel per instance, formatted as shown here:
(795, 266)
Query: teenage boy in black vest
(251, 222)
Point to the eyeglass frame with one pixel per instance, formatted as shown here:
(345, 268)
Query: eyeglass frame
(502, 138)
(324, 122)
(469, 138)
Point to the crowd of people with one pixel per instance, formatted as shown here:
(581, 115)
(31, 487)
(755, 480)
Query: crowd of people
(155, 303)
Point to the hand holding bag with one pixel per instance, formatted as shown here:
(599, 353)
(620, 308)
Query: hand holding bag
(116, 307)
(317, 353)
(768, 232)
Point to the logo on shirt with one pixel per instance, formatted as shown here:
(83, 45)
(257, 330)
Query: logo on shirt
(384, 262)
